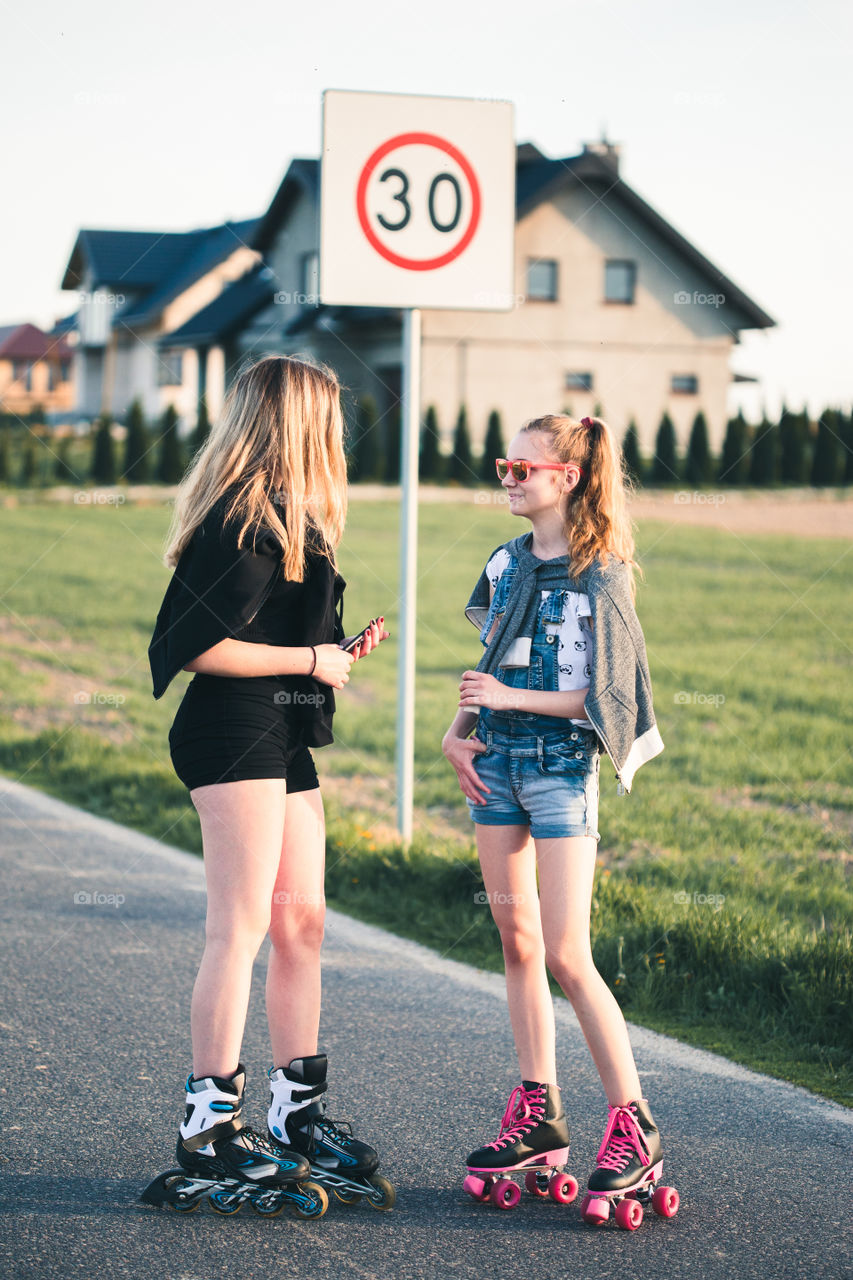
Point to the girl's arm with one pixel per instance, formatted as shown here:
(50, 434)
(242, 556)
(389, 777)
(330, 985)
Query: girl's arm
(460, 750)
(481, 690)
(242, 658)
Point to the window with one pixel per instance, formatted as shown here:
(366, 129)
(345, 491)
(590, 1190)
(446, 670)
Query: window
(170, 370)
(541, 280)
(310, 283)
(64, 370)
(22, 371)
(685, 384)
(579, 381)
(620, 278)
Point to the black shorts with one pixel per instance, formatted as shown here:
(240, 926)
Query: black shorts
(228, 729)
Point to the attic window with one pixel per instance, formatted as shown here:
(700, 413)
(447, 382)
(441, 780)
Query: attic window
(620, 279)
(579, 382)
(541, 280)
(685, 384)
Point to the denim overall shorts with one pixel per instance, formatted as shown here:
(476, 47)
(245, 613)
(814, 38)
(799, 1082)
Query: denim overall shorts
(541, 771)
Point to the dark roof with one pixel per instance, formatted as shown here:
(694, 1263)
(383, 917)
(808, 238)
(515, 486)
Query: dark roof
(303, 175)
(538, 179)
(326, 316)
(153, 266)
(234, 307)
(28, 342)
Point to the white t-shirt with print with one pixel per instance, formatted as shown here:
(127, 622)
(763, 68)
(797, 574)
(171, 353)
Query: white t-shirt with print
(574, 632)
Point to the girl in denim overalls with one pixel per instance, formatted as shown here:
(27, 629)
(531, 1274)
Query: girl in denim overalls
(530, 774)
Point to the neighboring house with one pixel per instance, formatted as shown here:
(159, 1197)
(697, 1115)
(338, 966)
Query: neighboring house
(614, 308)
(134, 286)
(35, 371)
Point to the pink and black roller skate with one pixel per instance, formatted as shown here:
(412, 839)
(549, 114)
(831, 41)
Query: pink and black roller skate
(534, 1136)
(630, 1164)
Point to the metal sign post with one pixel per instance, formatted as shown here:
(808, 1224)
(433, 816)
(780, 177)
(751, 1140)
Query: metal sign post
(415, 213)
(408, 570)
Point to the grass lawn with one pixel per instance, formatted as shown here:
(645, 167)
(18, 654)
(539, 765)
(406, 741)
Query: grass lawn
(722, 908)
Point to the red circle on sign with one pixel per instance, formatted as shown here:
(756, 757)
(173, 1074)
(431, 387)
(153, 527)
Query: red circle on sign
(429, 140)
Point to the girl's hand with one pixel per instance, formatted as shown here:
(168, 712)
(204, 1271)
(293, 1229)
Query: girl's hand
(375, 634)
(332, 666)
(480, 690)
(461, 753)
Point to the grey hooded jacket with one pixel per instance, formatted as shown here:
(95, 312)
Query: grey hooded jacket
(619, 701)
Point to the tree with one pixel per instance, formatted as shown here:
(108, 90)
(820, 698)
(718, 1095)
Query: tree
(202, 427)
(665, 460)
(391, 434)
(5, 456)
(793, 447)
(493, 446)
(62, 468)
(431, 463)
(734, 459)
(828, 460)
(846, 432)
(461, 462)
(28, 475)
(170, 464)
(764, 454)
(366, 454)
(136, 446)
(698, 467)
(103, 453)
(631, 454)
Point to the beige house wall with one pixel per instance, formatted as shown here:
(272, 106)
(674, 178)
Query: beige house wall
(517, 361)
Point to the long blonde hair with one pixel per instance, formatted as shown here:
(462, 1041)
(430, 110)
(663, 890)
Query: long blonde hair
(281, 422)
(597, 520)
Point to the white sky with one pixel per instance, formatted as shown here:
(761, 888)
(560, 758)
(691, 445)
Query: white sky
(734, 122)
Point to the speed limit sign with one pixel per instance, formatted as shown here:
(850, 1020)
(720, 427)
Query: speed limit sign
(417, 201)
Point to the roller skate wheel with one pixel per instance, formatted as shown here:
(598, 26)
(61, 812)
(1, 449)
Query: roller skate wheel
(224, 1202)
(629, 1214)
(562, 1187)
(318, 1201)
(505, 1194)
(478, 1187)
(534, 1186)
(382, 1196)
(178, 1204)
(267, 1209)
(595, 1210)
(665, 1201)
(346, 1196)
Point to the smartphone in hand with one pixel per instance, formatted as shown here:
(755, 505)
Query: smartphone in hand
(349, 645)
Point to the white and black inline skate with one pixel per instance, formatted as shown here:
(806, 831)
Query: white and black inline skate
(339, 1162)
(228, 1163)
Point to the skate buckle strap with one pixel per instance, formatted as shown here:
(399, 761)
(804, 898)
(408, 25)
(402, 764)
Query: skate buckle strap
(524, 1110)
(623, 1138)
(226, 1129)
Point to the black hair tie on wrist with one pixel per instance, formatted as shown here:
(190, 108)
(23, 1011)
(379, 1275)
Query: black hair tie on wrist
(314, 663)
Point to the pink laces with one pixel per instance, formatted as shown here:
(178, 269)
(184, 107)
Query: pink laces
(524, 1105)
(617, 1148)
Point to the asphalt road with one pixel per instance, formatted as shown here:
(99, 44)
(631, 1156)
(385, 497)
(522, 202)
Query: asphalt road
(95, 1024)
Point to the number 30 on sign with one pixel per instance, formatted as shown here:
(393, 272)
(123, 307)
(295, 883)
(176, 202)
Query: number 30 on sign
(419, 215)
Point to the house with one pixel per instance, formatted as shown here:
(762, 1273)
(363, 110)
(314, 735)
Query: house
(614, 309)
(35, 371)
(134, 286)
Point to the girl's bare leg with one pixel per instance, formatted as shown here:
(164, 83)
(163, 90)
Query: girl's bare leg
(509, 874)
(566, 873)
(296, 931)
(242, 824)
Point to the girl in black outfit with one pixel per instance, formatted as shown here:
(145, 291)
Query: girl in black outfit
(254, 608)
